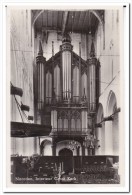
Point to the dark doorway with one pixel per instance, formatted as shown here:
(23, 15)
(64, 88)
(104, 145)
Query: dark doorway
(67, 160)
(65, 152)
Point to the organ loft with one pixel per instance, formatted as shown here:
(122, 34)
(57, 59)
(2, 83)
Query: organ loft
(67, 92)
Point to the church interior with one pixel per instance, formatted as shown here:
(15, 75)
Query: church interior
(65, 96)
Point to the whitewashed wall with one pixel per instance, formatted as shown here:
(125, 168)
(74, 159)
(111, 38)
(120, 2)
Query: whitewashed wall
(108, 53)
(21, 74)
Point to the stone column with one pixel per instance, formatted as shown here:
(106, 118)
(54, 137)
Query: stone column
(83, 150)
(121, 170)
(53, 150)
(108, 138)
(78, 151)
(92, 61)
(53, 147)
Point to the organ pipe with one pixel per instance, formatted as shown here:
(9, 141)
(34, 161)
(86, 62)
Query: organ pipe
(84, 84)
(75, 84)
(57, 82)
(66, 49)
(48, 87)
(52, 68)
(98, 81)
(79, 71)
(84, 120)
(92, 78)
(40, 60)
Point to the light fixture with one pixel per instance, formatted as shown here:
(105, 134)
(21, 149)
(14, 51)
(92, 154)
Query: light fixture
(73, 145)
(30, 118)
(98, 125)
(16, 91)
(109, 118)
(25, 107)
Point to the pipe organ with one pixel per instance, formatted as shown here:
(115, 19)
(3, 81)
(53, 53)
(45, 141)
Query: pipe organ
(67, 91)
(66, 49)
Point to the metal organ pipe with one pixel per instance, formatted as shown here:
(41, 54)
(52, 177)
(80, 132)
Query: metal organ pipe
(40, 60)
(66, 66)
(40, 100)
(92, 86)
(66, 56)
(57, 82)
(80, 71)
(76, 84)
(38, 77)
(66, 75)
(92, 61)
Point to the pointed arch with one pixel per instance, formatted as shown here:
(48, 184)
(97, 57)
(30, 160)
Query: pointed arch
(111, 103)
(45, 148)
(100, 132)
(112, 126)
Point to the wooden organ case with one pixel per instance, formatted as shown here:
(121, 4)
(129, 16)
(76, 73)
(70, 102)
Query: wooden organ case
(67, 93)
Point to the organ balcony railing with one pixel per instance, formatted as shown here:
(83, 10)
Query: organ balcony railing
(71, 131)
(74, 100)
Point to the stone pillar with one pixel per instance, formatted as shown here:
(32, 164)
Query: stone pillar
(53, 150)
(83, 150)
(121, 170)
(108, 138)
(92, 61)
(80, 72)
(78, 151)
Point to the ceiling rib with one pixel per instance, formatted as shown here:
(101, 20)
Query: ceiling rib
(97, 14)
(64, 21)
(85, 17)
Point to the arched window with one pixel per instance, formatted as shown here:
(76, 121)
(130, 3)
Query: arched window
(112, 126)
(45, 148)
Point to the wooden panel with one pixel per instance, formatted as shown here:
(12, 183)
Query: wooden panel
(82, 14)
(80, 23)
(55, 17)
(44, 18)
(19, 129)
(76, 19)
(49, 18)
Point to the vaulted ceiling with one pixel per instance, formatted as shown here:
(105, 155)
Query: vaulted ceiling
(68, 21)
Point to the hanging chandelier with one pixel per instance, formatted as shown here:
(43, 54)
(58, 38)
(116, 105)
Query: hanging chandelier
(73, 145)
